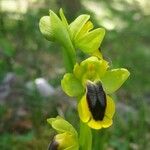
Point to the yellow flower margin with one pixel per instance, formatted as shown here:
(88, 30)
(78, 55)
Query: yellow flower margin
(86, 116)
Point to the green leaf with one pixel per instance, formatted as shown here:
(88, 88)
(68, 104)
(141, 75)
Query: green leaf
(77, 25)
(91, 41)
(113, 79)
(71, 85)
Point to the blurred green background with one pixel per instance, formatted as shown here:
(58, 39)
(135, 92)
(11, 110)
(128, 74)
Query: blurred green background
(31, 69)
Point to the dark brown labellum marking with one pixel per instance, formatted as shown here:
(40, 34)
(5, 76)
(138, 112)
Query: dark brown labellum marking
(96, 99)
(53, 145)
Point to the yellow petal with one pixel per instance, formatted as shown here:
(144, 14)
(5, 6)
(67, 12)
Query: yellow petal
(110, 108)
(95, 124)
(106, 122)
(83, 110)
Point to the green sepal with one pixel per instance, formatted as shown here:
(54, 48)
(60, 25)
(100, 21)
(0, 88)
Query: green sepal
(113, 79)
(59, 29)
(61, 125)
(76, 26)
(90, 41)
(85, 29)
(46, 29)
(67, 136)
(55, 29)
(71, 85)
(62, 36)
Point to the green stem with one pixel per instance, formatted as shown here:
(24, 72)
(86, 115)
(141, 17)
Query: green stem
(68, 61)
(85, 137)
(69, 55)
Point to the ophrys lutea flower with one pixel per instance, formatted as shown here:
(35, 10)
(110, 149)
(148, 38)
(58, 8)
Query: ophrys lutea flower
(66, 137)
(92, 82)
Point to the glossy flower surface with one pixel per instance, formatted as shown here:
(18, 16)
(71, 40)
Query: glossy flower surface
(66, 137)
(92, 81)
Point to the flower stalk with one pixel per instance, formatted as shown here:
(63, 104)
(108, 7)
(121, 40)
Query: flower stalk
(85, 137)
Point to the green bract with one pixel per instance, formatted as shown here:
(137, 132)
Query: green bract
(67, 137)
(93, 69)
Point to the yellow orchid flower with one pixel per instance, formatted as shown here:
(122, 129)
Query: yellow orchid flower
(92, 81)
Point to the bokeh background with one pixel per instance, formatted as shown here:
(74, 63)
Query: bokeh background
(31, 69)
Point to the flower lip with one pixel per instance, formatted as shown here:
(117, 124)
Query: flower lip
(53, 145)
(96, 99)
